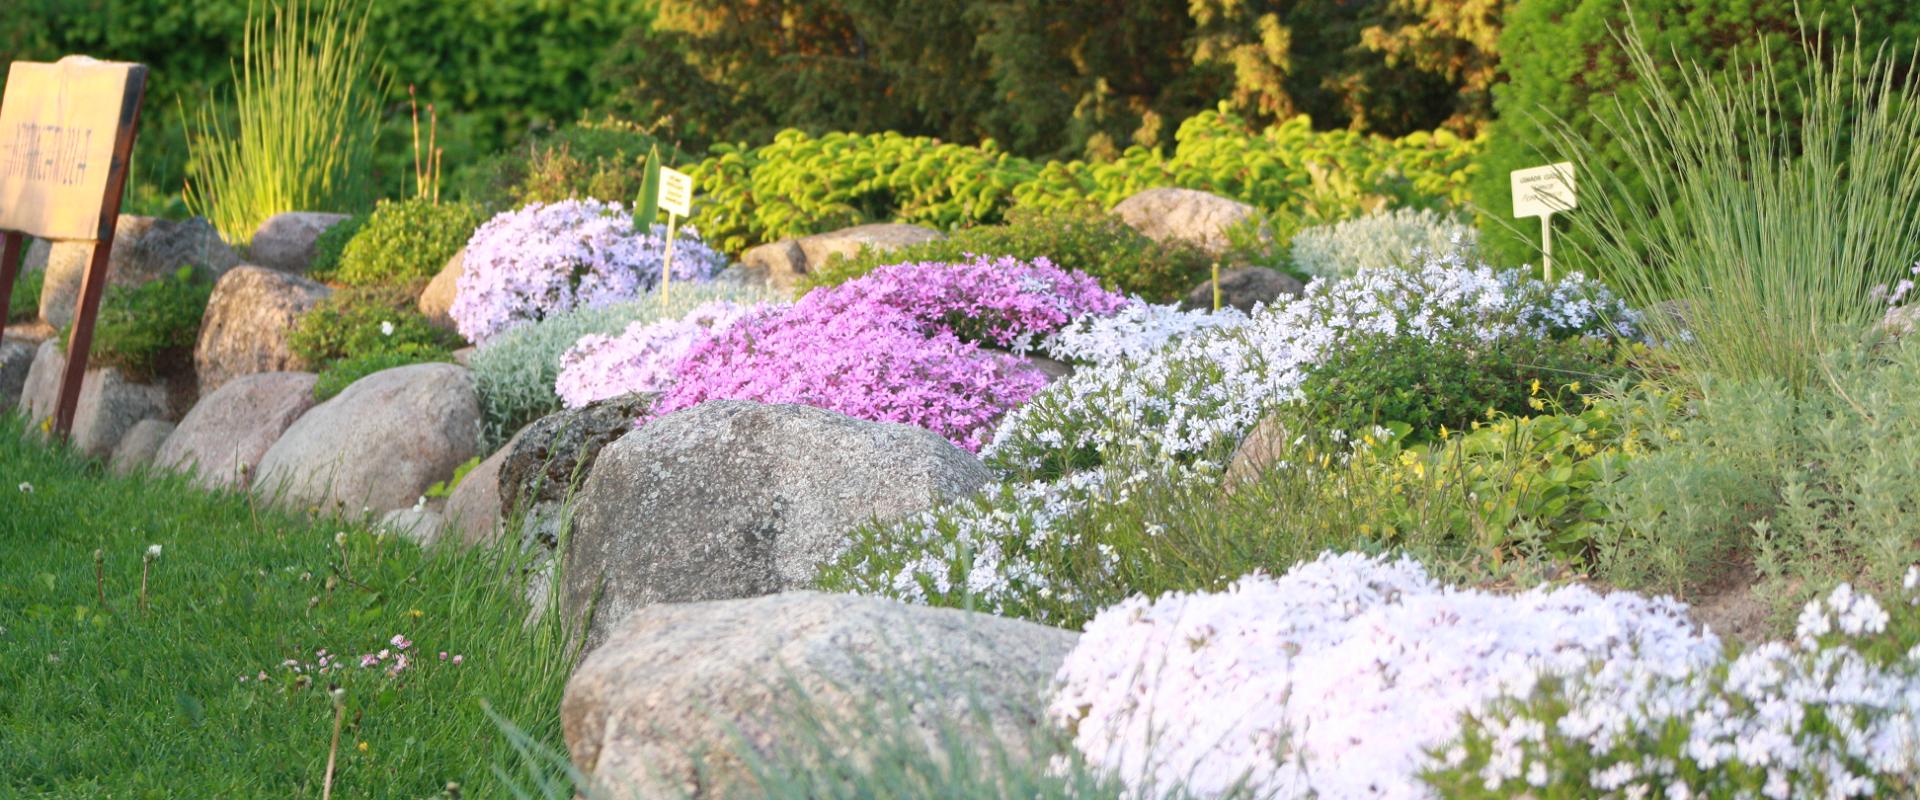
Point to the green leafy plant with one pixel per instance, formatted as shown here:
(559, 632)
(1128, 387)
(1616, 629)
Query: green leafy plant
(150, 329)
(445, 488)
(406, 242)
(330, 244)
(341, 373)
(364, 321)
(601, 159)
(24, 305)
(307, 95)
(1447, 383)
(1081, 238)
(1780, 228)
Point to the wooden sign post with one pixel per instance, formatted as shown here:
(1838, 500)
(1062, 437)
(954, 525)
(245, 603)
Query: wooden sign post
(66, 134)
(1539, 192)
(676, 198)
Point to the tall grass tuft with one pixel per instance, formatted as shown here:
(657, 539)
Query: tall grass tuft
(1780, 210)
(307, 98)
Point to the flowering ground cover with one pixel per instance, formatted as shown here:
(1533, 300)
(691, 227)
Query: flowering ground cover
(159, 641)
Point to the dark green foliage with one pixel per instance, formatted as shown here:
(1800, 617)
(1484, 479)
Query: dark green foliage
(1563, 60)
(494, 69)
(406, 241)
(338, 375)
(1452, 383)
(1085, 239)
(24, 305)
(330, 244)
(602, 160)
(1049, 78)
(150, 329)
(355, 323)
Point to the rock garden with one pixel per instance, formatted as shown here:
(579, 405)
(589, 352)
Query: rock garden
(952, 446)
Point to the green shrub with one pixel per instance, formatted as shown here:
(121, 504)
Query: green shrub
(800, 184)
(340, 374)
(1781, 230)
(150, 329)
(1447, 383)
(1376, 241)
(406, 242)
(1563, 61)
(515, 371)
(24, 305)
(363, 321)
(308, 95)
(1811, 488)
(1085, 239)
(602, 160)
(330, 244)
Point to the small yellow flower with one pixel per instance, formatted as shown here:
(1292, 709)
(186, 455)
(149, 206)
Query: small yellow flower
(416, 613)
(1443, 431)
(1535, 389)
(363, 747)
(1574, 386)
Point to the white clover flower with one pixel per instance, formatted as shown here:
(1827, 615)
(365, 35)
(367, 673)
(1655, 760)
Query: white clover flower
(386, 328)
(26, 488)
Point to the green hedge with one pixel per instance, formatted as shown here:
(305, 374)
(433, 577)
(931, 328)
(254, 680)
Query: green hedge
(800, 184)
(1563, 61)
(495, 69)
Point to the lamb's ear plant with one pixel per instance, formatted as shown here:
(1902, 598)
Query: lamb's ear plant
(1780, 210)
(307, 97)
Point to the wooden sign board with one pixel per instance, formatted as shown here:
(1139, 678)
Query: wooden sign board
(61, 126)
(66, 135)
(676, 192)
(1541, 191)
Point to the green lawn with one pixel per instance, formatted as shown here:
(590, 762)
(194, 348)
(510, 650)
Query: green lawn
(104, 700)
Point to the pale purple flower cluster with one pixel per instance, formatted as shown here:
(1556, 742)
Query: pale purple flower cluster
(869, 362)
(392, 659)
(641, 359)
(544, 259)
(1001, 302)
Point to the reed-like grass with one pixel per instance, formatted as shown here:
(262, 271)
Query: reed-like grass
(307, 97)
(1781, 209)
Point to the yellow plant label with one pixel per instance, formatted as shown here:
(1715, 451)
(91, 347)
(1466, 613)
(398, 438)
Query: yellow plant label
(676, 192)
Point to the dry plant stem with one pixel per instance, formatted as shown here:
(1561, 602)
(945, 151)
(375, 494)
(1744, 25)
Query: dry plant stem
(145, 566)
(100, 576)
(333, 750)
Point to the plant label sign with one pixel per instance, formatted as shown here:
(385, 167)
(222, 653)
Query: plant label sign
(65, 129)
(676, 192)
(1540, 191)
(66, 136)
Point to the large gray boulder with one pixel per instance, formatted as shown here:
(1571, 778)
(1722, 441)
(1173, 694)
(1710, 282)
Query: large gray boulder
(1245, 287)
(247, 322)
(739, 499)
(144, 249)
(676, 683)
(285, 241)
(109, 405)
(377, 446)
(436, 301)
(1187, 215)
(782, 264)
(222, 439)
(136, 449)
(16, 358)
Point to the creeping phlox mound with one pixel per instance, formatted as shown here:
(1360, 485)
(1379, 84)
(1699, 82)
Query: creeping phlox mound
(1353, 676)
(1162, 395)
(526, 265)
(642, 358)
(905, 343)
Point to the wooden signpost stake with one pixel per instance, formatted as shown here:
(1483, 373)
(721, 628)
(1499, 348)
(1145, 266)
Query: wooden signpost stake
(1539, 192)
(66, 135)
(676, 198)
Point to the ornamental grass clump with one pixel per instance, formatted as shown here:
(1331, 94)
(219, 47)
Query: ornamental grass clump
(545, 259)
(1774, 222)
